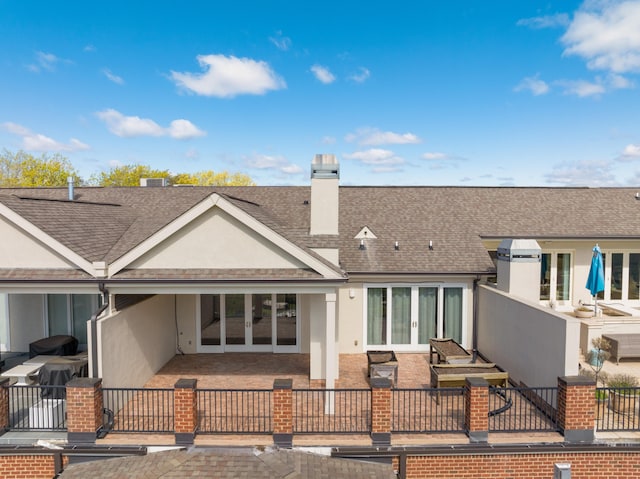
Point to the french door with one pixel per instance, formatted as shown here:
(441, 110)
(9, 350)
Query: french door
(404, 318)
(248, 322)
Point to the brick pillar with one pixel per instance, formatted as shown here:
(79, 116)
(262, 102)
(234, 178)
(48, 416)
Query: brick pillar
(576, 403)
(4, 405)
(380, 411)
(84, 410)
(476, 409)
(283, 412)
(185, 410)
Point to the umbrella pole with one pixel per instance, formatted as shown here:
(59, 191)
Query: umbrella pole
(595, 306)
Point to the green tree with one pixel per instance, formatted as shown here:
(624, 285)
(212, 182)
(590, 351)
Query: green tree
(210, 178)
(127, 175)
(24, 170)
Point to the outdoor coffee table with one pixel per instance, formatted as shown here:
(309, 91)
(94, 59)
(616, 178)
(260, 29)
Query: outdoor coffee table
(383, 364)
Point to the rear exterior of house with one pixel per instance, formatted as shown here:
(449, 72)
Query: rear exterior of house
(138, 274)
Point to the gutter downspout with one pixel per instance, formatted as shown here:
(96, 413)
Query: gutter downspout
(94, 329)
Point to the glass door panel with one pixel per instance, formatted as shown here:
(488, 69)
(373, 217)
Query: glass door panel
(634, 276)
(376, 316)
(210, 320)
(261, 318)
(401, 315)
(83, 306)
(616, 276)
(545, 277)
(286, 320)
(58, 314)
(452, 312)
(427, 314)
(234, 319)
(563, 276)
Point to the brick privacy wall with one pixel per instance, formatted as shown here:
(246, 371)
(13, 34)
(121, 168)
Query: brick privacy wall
(185, 410)
(381, 410)
(36, 466)
(84, 408)
(576, 405)
(607, 465)
(282, 416)
(476, 410)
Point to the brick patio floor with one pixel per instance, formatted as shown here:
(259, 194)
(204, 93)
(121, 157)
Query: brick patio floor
(259, 370)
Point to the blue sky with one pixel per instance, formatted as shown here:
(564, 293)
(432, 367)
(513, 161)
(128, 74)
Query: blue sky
(504, 92)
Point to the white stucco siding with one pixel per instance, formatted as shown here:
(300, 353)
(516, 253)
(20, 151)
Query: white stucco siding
(216, 240)
(350, 318)
(137, 342)
(21, 250)
(26, 323)
(533, 343)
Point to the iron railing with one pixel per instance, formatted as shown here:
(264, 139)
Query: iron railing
(143, 410)
(427, 410)
(333, 411)
(37, 408)
(523, 409)
(237, 411)
(617, 409)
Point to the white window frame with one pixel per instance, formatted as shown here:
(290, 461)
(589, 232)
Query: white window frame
(414, 346)
(625, 276)
(553, 278)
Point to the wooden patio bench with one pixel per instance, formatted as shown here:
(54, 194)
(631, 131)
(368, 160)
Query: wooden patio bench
(623, 345)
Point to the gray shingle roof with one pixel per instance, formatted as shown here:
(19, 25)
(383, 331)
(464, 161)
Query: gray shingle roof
(105, 223)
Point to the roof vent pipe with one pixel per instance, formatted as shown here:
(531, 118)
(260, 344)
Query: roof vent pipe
(70, 184)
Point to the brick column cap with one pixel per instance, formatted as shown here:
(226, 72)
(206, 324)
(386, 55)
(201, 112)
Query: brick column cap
(186, 384)
(84, 382)
(283, 384)
(474, 382)
(576, 381)
(380, 383)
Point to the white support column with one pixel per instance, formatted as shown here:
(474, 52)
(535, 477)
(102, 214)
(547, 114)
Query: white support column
(331, 352)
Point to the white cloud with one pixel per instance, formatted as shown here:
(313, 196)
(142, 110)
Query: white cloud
(37, 142)
(132, 126)
(227, 77)
(534, 85)
(581, 88)
(582, 173)
(89, 48)
(362, 75)
(630, 153)
(373, 137)
(376, 156)
(618, 81)
(45, 61)
(281, 42)
(606, 35)
(111, 76)
(328, 140)
(278, 163)
(546, 21)
(323, 74)
(440, 161)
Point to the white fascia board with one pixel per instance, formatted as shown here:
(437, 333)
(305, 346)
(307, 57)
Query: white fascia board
(222, 288)
(216, 200)
(43, 237)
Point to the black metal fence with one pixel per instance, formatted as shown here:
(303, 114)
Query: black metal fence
(37, 408)
(617, 409)
(237, 411)
(334, 411)
(142, 410)
(427, 410)
(523, 409)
